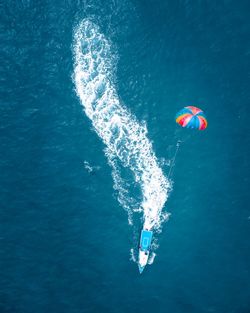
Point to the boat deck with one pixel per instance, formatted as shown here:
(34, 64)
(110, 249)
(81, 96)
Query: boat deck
(145, 241)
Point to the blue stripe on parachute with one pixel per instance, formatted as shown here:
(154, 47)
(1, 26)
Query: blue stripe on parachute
(183, 111)
(193, 123)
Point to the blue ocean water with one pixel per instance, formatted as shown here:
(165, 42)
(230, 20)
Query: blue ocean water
(66, 237)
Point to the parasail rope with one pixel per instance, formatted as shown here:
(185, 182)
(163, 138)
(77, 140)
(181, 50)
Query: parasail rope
(173, 160)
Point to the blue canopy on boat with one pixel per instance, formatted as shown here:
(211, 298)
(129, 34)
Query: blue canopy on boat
(146, 238)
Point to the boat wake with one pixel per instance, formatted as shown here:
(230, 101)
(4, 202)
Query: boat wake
(127, 145)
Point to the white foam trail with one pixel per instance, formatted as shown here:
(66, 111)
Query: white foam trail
(151, 258)
(125, 138)
(90, 168)
(133, 256)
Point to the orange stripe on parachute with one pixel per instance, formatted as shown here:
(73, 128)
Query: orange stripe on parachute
(181, 119)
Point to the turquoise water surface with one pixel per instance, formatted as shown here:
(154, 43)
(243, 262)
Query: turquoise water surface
(89, 93)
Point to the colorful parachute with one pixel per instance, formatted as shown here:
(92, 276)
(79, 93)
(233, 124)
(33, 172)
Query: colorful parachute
(191, 117)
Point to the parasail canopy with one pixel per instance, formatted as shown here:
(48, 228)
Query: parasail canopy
(191, 117)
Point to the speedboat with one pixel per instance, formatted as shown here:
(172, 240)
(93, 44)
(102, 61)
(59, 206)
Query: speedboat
(144, 248)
